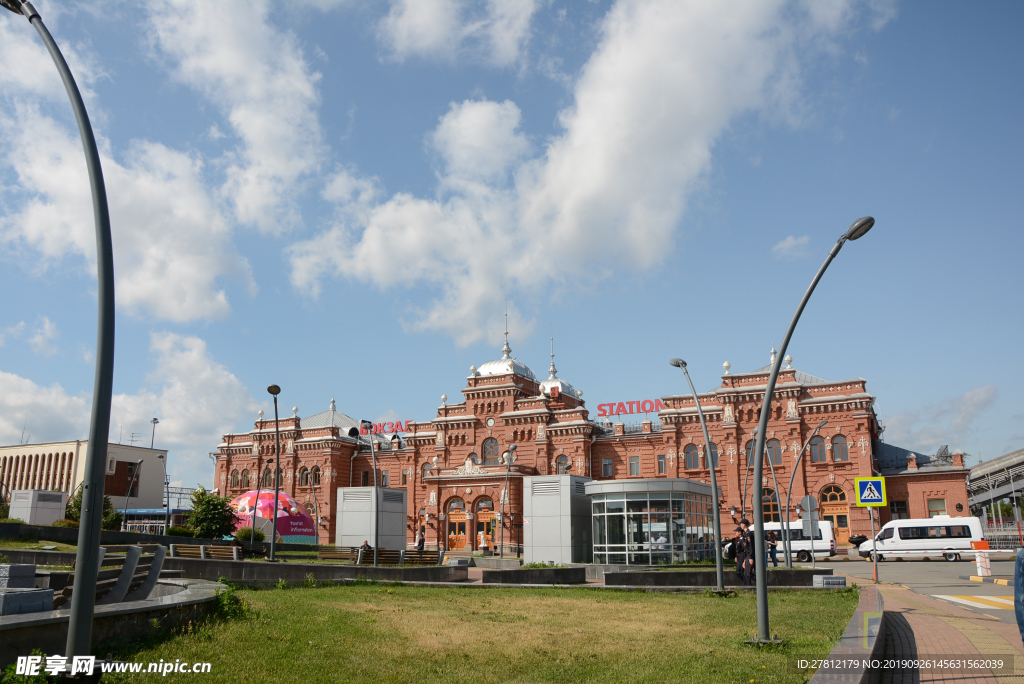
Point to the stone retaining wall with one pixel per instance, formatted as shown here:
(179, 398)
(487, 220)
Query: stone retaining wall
(706, 578)
(536, 576)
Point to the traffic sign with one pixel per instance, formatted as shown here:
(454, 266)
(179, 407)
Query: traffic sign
(870, 491)
(809, 503)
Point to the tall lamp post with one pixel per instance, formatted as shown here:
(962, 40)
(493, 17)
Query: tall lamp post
(789, 492)
(274, 390)
(167, 495)
(509, 458)
(368, 426)
(855, 232)
(83, 598)
(152, 439)
(131, 483)
(719, 570)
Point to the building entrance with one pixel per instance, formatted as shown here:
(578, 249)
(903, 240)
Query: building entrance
(457, 524)
(485, 524)
(836, 509)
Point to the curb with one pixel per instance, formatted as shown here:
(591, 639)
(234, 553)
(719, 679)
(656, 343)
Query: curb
(862, 641)
(990, 580)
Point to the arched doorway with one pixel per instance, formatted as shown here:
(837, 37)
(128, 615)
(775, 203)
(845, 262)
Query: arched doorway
(457, 522)
(484, 538)
(836, 509)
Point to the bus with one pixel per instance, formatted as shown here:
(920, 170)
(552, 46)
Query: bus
(939, 537)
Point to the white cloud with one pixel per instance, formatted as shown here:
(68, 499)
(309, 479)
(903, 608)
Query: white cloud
(258, 77)
(48, 414)
(35, 73)
(43, 336)
(171, 243)
(14, 331)
(441, 29)
(609, 192)
(949, 421)
(196, 399)
(792, 247)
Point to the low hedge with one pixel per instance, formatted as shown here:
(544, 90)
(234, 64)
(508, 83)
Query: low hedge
(174, 531)
(66, 522)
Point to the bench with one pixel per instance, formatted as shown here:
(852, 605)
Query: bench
(349, 554)
(416, 557)
(125, 573)
(205, 552)
(384, 557)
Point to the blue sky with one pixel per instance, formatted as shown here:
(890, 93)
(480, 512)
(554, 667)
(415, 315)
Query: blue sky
(339, 198)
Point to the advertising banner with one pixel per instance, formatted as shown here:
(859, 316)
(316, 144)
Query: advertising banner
(294, 524)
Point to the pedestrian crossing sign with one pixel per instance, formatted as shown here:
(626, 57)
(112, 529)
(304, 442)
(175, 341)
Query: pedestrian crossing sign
(870, 491)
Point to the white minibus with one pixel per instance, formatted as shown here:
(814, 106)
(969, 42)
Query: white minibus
(941, 536)
(800, 547)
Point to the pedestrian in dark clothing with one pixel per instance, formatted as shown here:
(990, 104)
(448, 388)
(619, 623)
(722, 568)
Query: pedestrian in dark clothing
(773, 549)
(419, 543)
(734, 552)
(746, 547)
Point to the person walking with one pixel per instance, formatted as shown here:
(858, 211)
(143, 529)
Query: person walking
(773, 549)
(734, 554)
(419, 542)
(746, 549)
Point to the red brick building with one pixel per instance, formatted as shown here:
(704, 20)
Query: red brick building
(452, 465)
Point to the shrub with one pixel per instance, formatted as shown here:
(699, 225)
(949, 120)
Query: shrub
(175, 531)
(111, 516)
(212, 516)
(11, 520)
(245, 534)
(65, 523)
(111, 519)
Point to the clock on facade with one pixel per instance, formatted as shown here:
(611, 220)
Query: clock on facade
(490, 422)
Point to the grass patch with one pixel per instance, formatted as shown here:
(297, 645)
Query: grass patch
(32, 545)
(369, 632)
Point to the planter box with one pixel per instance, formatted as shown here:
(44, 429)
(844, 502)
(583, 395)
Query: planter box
(706, 578)
(20, 601)
(536, 576)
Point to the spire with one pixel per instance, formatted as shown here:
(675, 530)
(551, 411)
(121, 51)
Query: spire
(773, 355)
(506, 350)
(333, 406)
(553, 371)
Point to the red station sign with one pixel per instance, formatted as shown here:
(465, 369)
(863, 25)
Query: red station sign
(386, 428)
(627, 407)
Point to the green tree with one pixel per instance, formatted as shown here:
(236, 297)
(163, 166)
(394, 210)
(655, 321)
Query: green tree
(212, 517)
(112, 518)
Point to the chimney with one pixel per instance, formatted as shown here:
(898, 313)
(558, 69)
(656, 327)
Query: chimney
(912, 462)
(958, 458)
(620, 429)
(645, 426)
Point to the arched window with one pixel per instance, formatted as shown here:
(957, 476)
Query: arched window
(839, 449)
(818, 453)
(749, 450)
(316, 475)
(484, 505)
(311, 510)
(833, 494)
(267, 481)
(770, 506)
(304, 477)
(426, 471)
(691, 457)
(775, 451)
(474, 458)
(234, 478)
(560, 463)
(491, 455)
(245, 479)
(714, 455)
(456, 506)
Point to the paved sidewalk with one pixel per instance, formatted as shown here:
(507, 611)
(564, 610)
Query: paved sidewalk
(922, 627)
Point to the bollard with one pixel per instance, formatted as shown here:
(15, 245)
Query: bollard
(1018, 591)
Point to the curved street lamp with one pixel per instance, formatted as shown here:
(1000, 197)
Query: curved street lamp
(275, 390)
(719, 570)
(856, 231)
(131, 483)
(83, 598)
(368, 426)
(789, 492)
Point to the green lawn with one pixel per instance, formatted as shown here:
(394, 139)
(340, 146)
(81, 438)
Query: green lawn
(34, 545)
(390, 633)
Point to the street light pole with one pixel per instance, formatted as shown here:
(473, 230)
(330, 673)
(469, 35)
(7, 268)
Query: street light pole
(508, 469)
(855, 231)
(129, 493)
(152, 440)
(274, 390)
(83, 598)
(719, 570)
(368, 426)
(789, 491)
